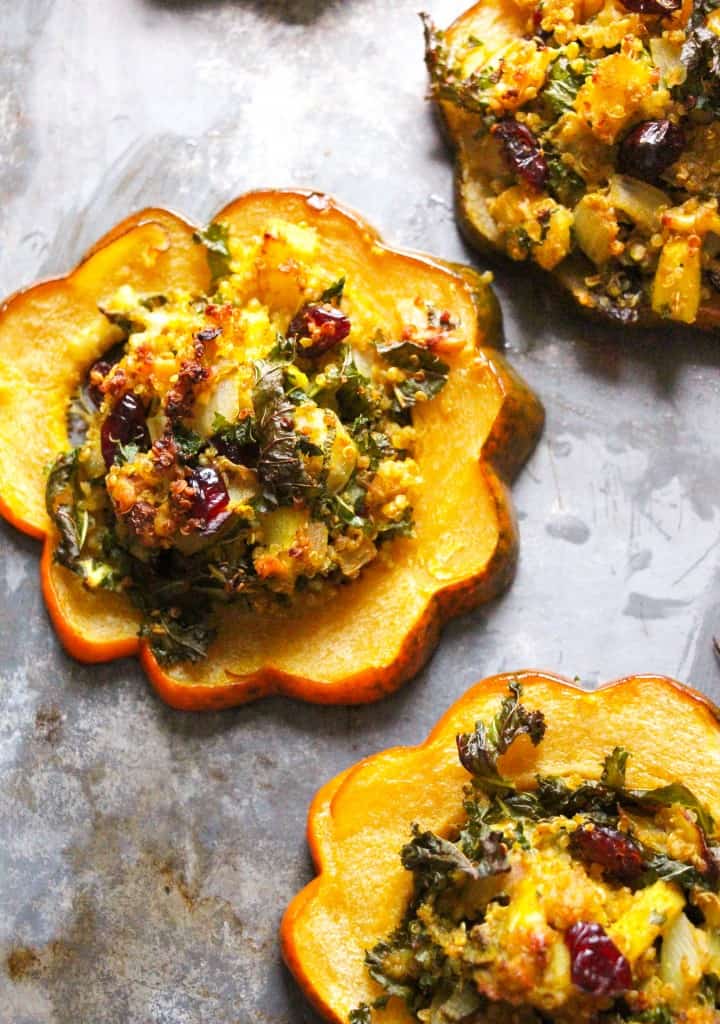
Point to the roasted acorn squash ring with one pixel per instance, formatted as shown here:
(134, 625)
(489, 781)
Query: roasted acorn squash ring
(359, 821)
(375, 633)
(495, 20)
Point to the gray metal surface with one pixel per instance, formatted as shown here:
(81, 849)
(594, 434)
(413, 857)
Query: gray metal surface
(146, 855)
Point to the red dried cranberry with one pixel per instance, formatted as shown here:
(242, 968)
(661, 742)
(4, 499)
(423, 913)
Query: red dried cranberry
(614, 851)
(522, 151)
(323, 324)
(597, 965)
(650, 148)
(211, 498)
(652, 6)
(125, 425)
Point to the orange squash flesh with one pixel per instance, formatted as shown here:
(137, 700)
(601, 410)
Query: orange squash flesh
(360, 820)
(365, 638)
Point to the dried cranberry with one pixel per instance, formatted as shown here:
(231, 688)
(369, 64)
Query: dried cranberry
(126, 424)
(211, 498)
(652, 6)
(614, 851)
(597, 965)
(522, 151)
(323, 324)
(650, 148)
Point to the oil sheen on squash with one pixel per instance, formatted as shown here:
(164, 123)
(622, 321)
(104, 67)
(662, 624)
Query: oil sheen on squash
(576, 901)
(589, 143)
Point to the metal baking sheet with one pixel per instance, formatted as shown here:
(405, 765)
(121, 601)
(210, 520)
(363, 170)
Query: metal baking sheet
(146, 855)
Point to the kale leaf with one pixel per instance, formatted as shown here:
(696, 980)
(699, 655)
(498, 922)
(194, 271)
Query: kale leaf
(176, 634)
(479, 750)
(348, 390)
(240, 433)
(215, 239)
(349, 505)
(402, 527)
(666, 796)
(427, 374)
(362, 1014)
(375, 444)
(436, 862)
(446, 79)
(710, 990)
(658, 1015)
(615, 768)
(334, 292)
(64, 508)
(700, 56)
(189, 444)
(375, 961)
(563, 84)
(283, 351)
(659, 865)
(563, 182)
(279, 467)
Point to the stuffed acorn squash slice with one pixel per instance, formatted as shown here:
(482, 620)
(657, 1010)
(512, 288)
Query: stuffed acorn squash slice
(271, 456)
(588, 142)
(547, 855)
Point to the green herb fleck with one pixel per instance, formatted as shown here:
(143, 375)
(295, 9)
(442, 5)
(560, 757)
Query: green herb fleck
(215, 238)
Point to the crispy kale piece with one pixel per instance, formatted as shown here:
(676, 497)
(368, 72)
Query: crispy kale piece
(563, 183)
(66, 512)
(280, 468)
(427, 374)
(479, 750)
(700, 56)
(177, 635)
(615, 768)
(659, 865)
(446, 79)
(563, 84)
(437, 863)
(189, 444)
(236, 440)
(375, 961)
(347, 390)
(215, 239)
(402, 527)
(665, 796)
(362, 1014)
(335, 292)
(371, 442)
(658, 1015)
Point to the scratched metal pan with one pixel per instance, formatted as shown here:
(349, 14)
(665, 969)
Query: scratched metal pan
(146, 855)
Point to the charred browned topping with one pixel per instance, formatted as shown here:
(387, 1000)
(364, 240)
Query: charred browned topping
(165, 452)
(182, 497)
(180, 398)
(141, 520)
